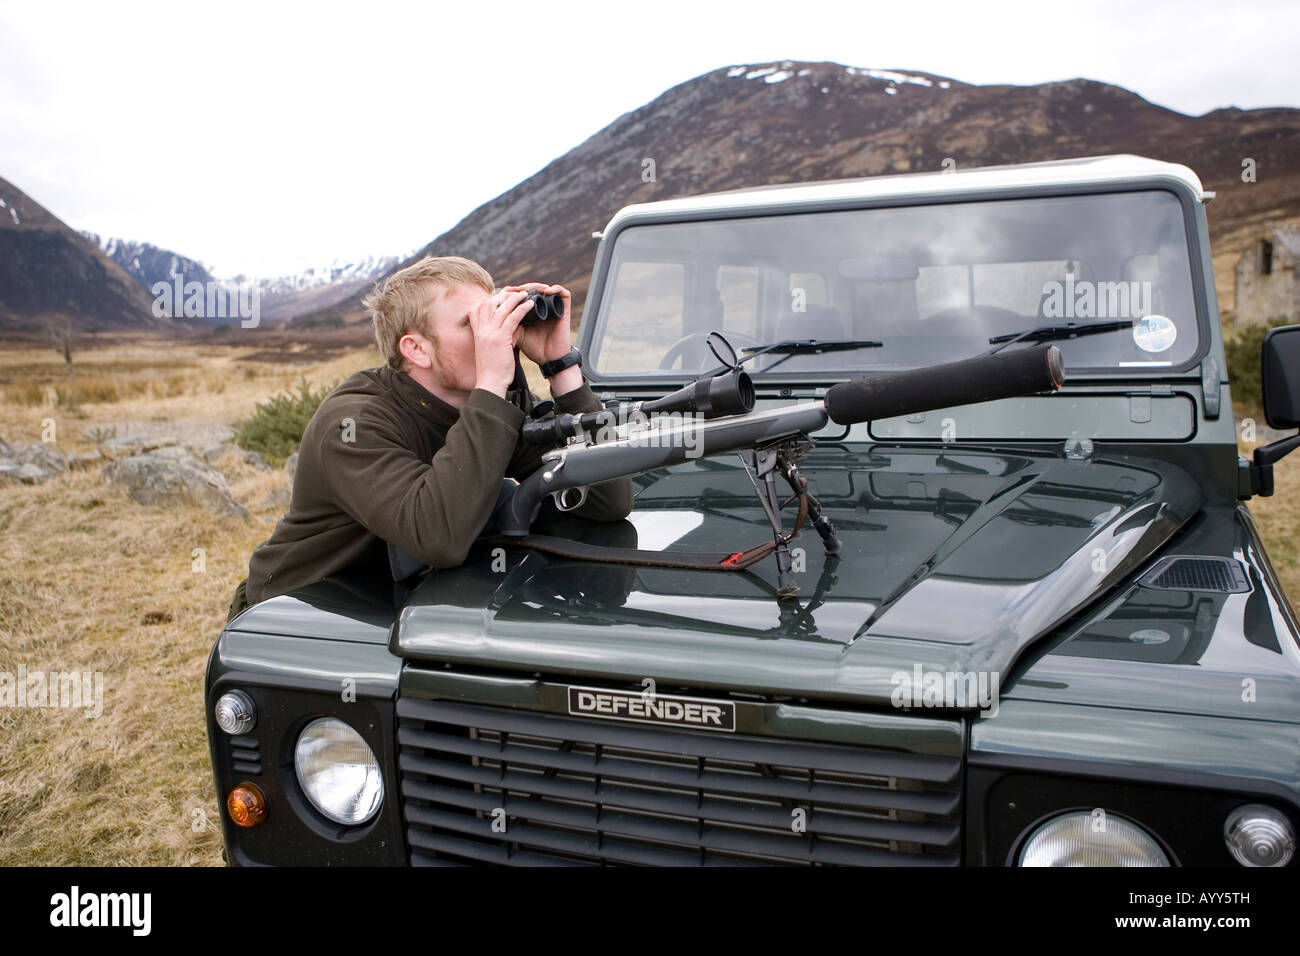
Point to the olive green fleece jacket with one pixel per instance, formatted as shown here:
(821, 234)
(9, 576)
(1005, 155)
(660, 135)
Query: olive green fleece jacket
(384, 461)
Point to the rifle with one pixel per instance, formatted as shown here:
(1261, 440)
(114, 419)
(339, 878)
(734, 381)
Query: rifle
(718, 417)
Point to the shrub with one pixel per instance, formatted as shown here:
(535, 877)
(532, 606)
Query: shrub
(275, 428)
(1242, 353)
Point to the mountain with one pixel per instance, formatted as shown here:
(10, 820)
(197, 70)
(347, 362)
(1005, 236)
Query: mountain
(51, 273)
(280, 297)
(753, 125)
(306, 292)
(148, 264)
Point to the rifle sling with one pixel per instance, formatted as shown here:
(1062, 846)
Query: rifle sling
(702, 561)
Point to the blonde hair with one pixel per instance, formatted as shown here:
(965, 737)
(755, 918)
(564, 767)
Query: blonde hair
(400, 303)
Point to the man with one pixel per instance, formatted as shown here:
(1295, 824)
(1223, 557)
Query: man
(402, 465)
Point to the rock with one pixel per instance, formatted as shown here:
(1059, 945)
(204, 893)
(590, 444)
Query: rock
(11, 472)
(172, 476)
(291, 465)
(277, 498)
(177, 452)
(42, 456)
(115, 449)
(31, 465)
(213, 455)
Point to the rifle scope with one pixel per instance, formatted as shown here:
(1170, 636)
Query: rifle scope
(731, 393)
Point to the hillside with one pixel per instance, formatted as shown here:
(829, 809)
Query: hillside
(49, 272)
(746, 126)
(147, 263)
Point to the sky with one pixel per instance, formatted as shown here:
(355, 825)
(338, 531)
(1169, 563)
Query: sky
(265, 138)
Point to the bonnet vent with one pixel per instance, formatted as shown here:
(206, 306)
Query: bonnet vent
(1183, 573)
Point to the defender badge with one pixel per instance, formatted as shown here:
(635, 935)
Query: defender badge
(650, 708)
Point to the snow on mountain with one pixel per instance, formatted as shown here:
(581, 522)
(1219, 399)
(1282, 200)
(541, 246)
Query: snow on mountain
(148, 264)
(338, 271)
(281, 297)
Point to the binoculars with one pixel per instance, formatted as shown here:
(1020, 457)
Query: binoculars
(545, 308)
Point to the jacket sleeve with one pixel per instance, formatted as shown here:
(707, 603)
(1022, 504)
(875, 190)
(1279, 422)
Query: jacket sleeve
(433, 510)
(607, 501)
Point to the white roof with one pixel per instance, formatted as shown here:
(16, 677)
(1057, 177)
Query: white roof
(1094, 170)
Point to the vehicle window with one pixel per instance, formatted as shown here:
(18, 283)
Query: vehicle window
(738, 286)
(932, 282)
(1017, 286)
(808, 288)
(646, 303)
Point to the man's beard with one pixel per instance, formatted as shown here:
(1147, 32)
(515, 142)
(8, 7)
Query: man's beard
(446, 372)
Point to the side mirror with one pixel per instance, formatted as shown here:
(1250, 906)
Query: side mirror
(1280, 373)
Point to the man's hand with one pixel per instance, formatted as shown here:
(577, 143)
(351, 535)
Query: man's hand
(495, 324)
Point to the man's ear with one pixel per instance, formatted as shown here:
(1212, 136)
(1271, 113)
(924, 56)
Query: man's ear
(415, 350)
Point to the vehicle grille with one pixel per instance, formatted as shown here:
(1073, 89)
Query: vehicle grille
(573, 791)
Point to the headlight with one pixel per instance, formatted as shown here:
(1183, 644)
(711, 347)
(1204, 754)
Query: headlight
(1258, 835)
(1090, 839)
(338, 771)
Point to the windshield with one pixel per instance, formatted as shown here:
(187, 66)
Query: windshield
(931, 283)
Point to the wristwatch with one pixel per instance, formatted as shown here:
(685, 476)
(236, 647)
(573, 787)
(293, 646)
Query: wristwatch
(574, 357)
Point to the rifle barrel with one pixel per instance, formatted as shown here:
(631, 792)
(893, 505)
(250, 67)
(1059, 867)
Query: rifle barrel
(967, 382)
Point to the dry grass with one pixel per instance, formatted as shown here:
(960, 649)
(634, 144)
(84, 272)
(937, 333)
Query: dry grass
(90, 581)
(146, 381)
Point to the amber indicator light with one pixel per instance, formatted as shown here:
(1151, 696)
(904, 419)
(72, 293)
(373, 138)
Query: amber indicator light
(246, 805)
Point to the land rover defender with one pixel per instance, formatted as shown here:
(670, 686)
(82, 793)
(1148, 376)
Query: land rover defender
(1050, 634)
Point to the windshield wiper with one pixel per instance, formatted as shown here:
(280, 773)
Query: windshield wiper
(1044, 333)
(793, 347)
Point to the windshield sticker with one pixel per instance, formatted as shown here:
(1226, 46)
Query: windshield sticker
(1149, 635)
(1155, 333)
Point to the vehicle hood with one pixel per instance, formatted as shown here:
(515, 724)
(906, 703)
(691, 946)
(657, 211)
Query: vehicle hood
(951, 562)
